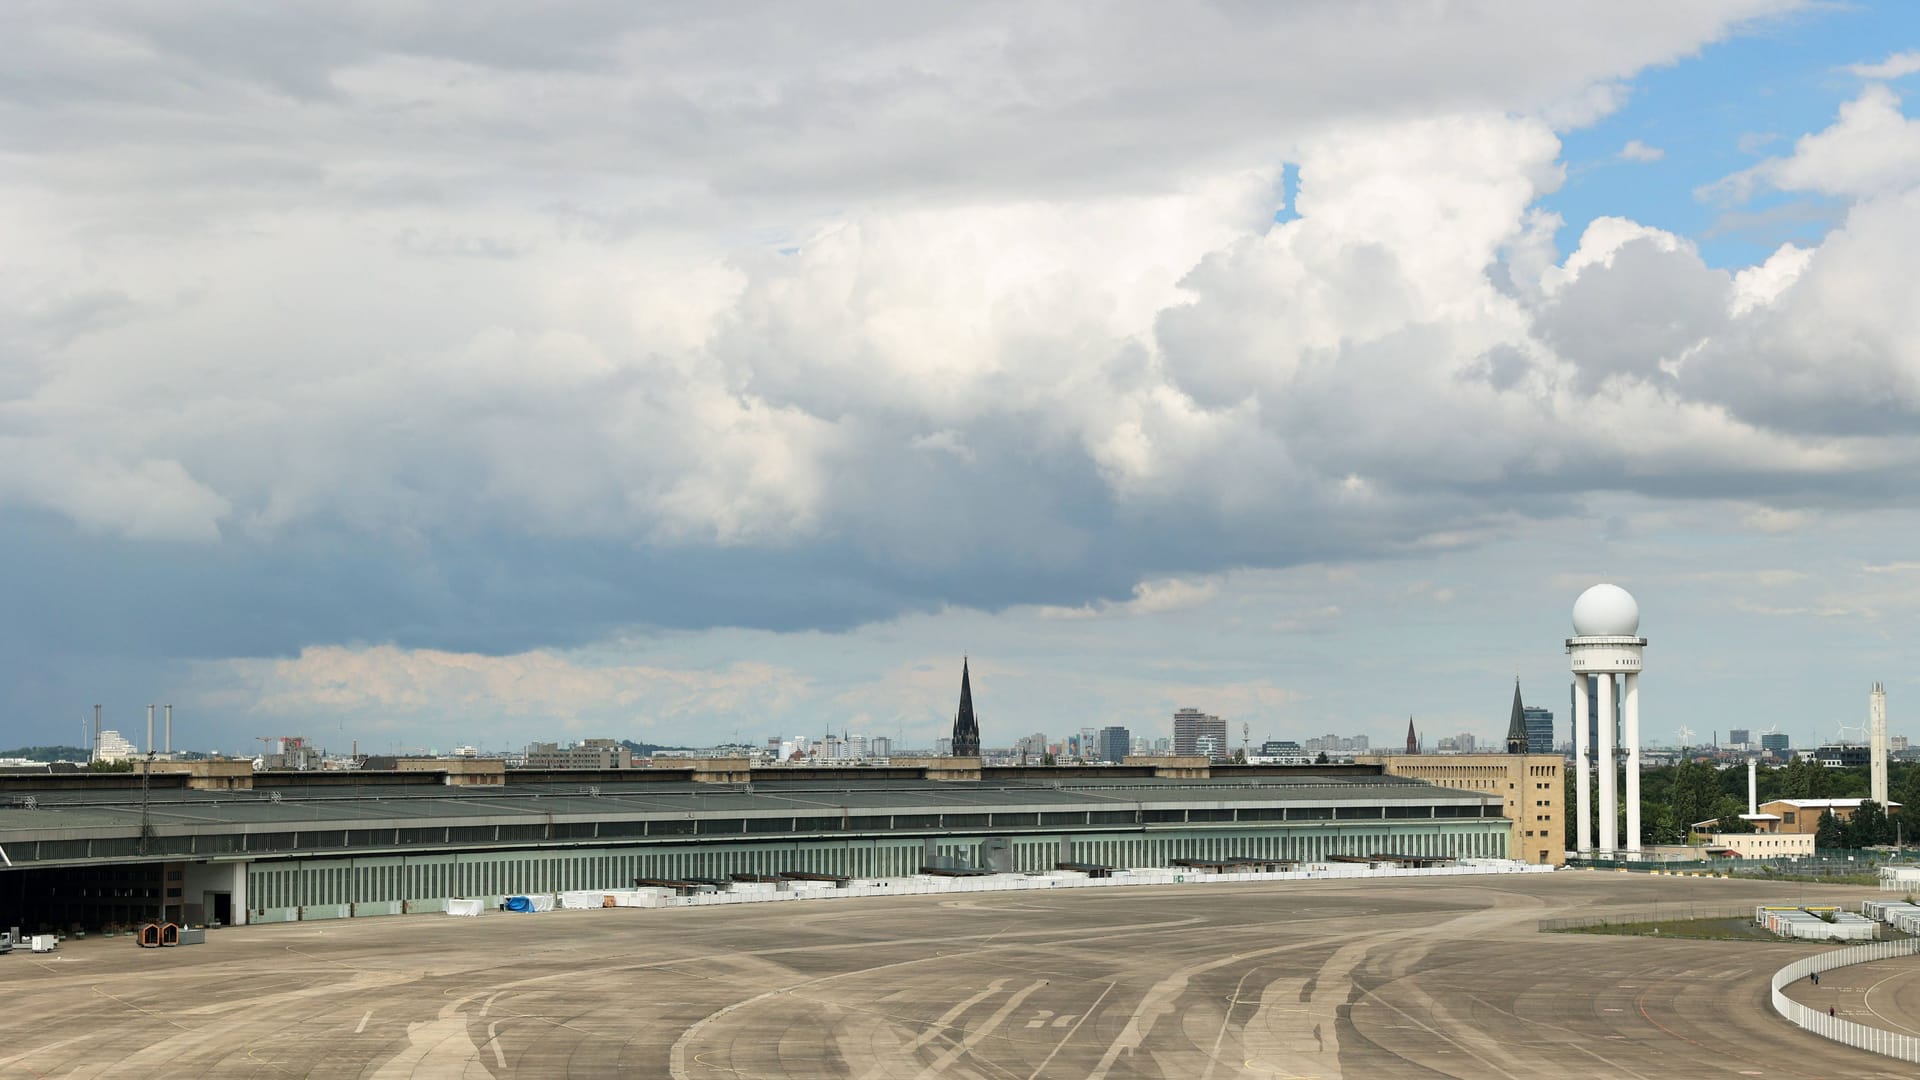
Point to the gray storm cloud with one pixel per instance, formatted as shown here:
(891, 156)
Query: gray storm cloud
(778, 318)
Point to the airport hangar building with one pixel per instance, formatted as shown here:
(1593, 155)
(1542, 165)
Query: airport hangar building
(219, 843)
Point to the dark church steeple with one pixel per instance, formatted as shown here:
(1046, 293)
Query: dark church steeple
(966, 731)
(1517, 726)
(1413, 742)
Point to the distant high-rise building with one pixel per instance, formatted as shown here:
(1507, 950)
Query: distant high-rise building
(1114, 744)
(880, 746)
(1190, 726)
(966, 730)
(586, 754)
(1739, 736)
(113, 746)
(1775, 744)
(1539, 729)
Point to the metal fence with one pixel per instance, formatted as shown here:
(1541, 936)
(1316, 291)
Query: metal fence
(1860, 1036)
(1833, 862)
(1653, 914)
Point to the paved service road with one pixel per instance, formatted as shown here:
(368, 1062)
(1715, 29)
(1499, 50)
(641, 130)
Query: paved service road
(1410, 978)
(1884, 994)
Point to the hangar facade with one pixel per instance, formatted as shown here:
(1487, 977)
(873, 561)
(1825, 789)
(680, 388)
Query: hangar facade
(342, 845)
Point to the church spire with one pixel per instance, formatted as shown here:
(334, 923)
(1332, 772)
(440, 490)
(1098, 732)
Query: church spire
(1517, 725)
(1413, 743)
(966, 731)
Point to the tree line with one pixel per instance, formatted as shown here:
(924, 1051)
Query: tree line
(1675, 797)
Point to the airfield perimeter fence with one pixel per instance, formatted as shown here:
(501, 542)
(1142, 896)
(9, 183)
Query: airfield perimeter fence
(1830, 863)
(1860, 1036)
(1652, 913)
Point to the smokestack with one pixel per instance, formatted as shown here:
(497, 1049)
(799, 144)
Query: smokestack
(169, 731)
(1753, 788)
(149, 729)
(1877, 744)
(96, 736)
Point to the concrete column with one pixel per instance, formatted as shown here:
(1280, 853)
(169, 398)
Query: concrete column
(1753, 787)
(1583, 768)
(1631, 684)
(1609, 836)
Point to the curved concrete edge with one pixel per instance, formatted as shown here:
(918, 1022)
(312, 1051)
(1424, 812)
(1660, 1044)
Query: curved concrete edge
(1875, 1040)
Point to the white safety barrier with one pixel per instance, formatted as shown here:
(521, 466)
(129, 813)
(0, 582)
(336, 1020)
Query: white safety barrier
(933, 884)
(1860, 1036)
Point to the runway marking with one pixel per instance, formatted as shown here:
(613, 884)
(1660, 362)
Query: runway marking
(23, 1055)
(946, 1019)
(1068, 1037)
(1233, 999)
(1595, 1055)
(1641, 1002)
(1040, 1018)
(139, 1009)
(973, 1038)
(493, 1041)
(1866, 999)
(363, 1022)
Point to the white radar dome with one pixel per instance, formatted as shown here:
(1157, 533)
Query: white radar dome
(1606, 611)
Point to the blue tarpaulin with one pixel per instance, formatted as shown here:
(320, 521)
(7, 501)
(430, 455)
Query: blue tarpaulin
(518, 903)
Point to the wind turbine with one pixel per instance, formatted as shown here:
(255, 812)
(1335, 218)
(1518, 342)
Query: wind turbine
(1686, 734)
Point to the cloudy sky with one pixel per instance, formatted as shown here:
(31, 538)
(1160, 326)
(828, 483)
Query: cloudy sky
(423, 374)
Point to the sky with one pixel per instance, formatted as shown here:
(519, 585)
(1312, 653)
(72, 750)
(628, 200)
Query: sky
(410, 376)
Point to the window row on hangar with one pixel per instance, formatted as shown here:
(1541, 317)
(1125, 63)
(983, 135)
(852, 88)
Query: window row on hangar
(208, 843)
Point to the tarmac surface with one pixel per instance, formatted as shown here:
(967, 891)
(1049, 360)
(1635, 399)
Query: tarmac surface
(1383, 978)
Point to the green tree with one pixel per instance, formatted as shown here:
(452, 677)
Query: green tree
(1240, 756)
(1658, 825)
(1322, 759)
(1831, 835)
(1695, 794)
(1572, 815)
(1730, 819)
(1868, 826)
(1803, 779)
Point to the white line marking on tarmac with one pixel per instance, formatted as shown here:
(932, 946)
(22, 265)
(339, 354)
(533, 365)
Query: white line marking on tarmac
(493, 1040)
(363, 1022)
(1068, 1037)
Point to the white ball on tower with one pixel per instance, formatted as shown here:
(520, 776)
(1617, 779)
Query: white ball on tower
(1606, 611)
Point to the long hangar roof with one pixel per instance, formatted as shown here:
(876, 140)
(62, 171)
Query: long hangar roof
(381, 806)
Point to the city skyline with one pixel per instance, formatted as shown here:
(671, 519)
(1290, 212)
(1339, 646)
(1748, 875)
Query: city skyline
(603, 374)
